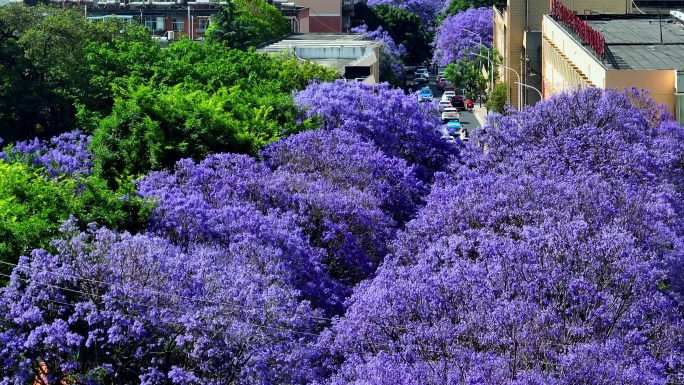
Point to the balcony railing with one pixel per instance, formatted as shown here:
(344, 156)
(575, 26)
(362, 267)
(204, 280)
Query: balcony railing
(584, 30)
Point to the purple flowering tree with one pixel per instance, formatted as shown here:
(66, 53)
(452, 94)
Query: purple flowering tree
(452, 41)
(64, 154)
(427, 10)
(393, 121)
(553, 257)
(391, 54)
(111, 308)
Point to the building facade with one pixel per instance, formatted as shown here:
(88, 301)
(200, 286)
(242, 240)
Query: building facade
(518, 38)
(642, 51)
(351, 55)
(328, 16)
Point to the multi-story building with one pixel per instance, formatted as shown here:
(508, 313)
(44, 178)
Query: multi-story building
(517, 36)
(328, 16)
(171, 18)
(642, 51)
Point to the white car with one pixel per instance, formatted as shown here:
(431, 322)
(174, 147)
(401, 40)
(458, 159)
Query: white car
(444, 104)
(422, 72)
(447, 95)
(450, 114)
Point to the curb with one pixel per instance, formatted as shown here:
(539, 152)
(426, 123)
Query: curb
(480, 119)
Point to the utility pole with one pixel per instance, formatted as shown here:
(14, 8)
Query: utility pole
(660, 21)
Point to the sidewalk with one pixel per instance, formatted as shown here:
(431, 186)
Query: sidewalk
(480, 113)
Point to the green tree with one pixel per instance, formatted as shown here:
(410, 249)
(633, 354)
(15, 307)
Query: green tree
(472, 72)
(46, 71)
(498, 98)
(403, 27)
(33, 207)
(247, 23)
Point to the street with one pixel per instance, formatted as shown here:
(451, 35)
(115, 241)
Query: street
(468, 119)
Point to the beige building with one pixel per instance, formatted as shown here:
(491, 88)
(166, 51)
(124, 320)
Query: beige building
(517, 37)
(643, 51)
(351, 55)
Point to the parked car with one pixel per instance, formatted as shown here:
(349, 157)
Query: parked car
(449, 114)
(421, 81)
(444, 104)
(422, 72)
(449, 88)
(425, 95)
(448, 138)
(453, 127)
(458, 102)
(448, 95)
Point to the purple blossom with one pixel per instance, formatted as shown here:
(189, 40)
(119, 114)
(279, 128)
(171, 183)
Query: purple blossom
(65, 154)
(391, 54)
(553, 257)
(427, 10)
(393, 121)
(453, 40)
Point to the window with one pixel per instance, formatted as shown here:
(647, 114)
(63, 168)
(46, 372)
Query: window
(154, 23)
(203, 25)
(178, 25)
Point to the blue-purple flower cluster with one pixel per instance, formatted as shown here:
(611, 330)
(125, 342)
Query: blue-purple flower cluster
(463, 32)
(391, 54)
(66, 154)
(547, 250)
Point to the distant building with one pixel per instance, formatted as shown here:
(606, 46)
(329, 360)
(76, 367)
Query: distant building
(517, 36)
(644, 51)
(353, 57)
(325, 16)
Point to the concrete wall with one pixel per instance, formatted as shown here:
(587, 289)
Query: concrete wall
(332, 52)
(325, 16)
(304, 24)
(587, 63)
(567, 64)
(582, 7)
(661, 83)
(325, 24)
(322, 7)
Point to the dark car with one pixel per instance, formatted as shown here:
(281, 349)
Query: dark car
(458, 102)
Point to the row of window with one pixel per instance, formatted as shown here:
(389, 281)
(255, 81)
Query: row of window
(156, 23)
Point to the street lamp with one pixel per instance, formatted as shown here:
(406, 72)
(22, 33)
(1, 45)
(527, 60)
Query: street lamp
(491, 69)
(516, 74)
(534, 88)
(518, 82)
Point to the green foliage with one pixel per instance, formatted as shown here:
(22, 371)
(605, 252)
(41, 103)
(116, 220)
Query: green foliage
(242, 24)
(153, 128)
(32, 207)
(498, 98)
(468, 73)
(44, 71)
(405, 28)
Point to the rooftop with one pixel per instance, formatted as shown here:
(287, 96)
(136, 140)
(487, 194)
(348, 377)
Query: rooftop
(338, 51)
(635, 42)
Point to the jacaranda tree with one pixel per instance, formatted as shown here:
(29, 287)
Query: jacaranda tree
(553, 257)
(427, 10)
(452, 39)
(395, 122)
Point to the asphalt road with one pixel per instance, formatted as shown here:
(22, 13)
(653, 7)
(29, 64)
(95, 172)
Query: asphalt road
(468, 119)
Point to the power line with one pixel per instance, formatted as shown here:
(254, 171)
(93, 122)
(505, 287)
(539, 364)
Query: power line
(207, 301)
